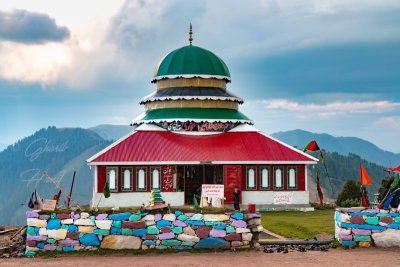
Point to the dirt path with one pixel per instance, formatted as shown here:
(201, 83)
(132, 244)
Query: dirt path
(334, 257)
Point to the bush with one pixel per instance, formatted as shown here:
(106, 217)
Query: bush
(348, 203)
(351, 195)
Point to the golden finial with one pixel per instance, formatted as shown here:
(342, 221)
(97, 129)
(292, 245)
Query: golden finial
(190, 34)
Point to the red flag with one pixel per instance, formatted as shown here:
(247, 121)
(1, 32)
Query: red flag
(395, 169)
(364, 176)
(312, 146)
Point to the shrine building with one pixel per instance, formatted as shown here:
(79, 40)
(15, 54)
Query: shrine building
(192, 133)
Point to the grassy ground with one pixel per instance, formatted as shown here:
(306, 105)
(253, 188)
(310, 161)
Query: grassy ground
(298, 224)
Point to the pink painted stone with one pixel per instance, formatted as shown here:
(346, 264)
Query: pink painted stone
(203, 231)
(217, 233)
(361, 232)
(386, 219)
(357, 220)
(376, 231)
(157, 217)
(68, 242)
(149, 237)
(372, 211)
(73, 235)
(49, 247)
(346, 237)
(101, 216)
(189, 214)
(233, 237)
(100, 237)
(179, 223)
(63, 216)
(165, 229)
(166, 236)
(31, 214)
(36, 237)
(236, 244)
(31, 243)
(239, 223)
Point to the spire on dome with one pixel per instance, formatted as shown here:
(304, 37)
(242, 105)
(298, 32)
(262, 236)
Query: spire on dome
(190, 34)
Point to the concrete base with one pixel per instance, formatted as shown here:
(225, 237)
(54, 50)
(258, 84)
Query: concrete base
(135, 199)
(260, 207)
(267, 198)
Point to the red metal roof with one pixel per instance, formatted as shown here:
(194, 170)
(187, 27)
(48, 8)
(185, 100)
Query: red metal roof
(164, 146)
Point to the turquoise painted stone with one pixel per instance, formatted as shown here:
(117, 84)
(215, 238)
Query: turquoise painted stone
(397, 219)
(120, 217)
(51, 241)
(197, 217)
(177, 230)
(53, 216)
(54, 224)
(30, 253)
(182, 217)
(139, 232)
(163, 223)
(125, 231)
(212, 242)
(362, 226)
(221, 226)
(348, 243)
(393, 226)
(89, 240)
(93, 219)
(230, 229)
(195, 222)
(30, 231)
(213, 223)
(372, 220)
(181, 247)
(177, 213)
(337, 216)
(134, 217)
(116, 230)
(152, 230)
(362, 238)
(81, 234)
(40, 245)
(148, 243)
(68, 249)
(383, 214)
(161, 247)
(59, 248)
(117, 224)
(64, 226)
(171, 242)
(188, 243)
(72, 228)
(238, 216)
(101, 232)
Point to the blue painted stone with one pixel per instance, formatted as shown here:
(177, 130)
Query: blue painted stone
(362, 214)
(194, 222)
(37, 230)
(362, 226)
(238, 216)
(394, 214)
(393, 226)
(115, 230)
(120, 217)
(177, 213)
(163, 223)
(212, 242)
(90, 240)
(148, 243)
(72, 228)
(337, 216)
(181, 247)
(348, 243)
(53, 224)
(139, 232)
(68, 249)
(222, 226)
(161, 247)
(40, 245)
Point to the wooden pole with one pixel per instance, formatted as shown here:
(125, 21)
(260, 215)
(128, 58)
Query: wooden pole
(72, 186)
(63, 191)
(184, 184)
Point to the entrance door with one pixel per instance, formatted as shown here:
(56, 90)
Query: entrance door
(232, 178)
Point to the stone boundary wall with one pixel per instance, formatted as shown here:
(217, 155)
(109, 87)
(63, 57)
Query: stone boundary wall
(366, 227)
(82, 231)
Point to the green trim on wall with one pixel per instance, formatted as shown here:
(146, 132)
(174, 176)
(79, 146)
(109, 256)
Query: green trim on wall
(248, 168)
(123, 179)
(145, 179)
(295, 177)
(108, 170)
(268, 178)
(159, 177)
(282, 177)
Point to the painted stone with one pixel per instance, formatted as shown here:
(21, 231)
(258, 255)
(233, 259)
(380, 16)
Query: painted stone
(161, 247)
(165, 229)
(188, 244)
(74, 235)
(388, 238)
(32, 249)
(362, 238)
(189, 214)
(72, 228)
(372, 210)
(162, 223)
(75, 216)
(139, 232)
(101, 216)
(31, 243)
(238, 216)
(362, 226)
(247, 236)
(351, 210)
(386, 219)
(121, 242)
(177, 230)
(344, 217)
(362, 214)
(85, 229)
(44, 217)
(68, 242)
(134, 217)
(49, 247)
(40, 245)
(203, 231)
(32, 214)
(231, 229)
(240, 230)
(196, 217)
(61, 234)
(104, 224)
(120, 217)
(157, 217)
(213, 223)
(190, 231)
(51, 241)
(188, 238)
(393, 226)
(364, 244)
(166, 236)
(177, 213)
(169, 217)
(59, 248)
(220, 227)
(51, 234)
(212, 242)
(198, 223)
(345, 231)
(90, 240)
(85, 215)
(376, 231)
(348, 243)
(63, 216)
(372, 220)
(36, 237)
(233, 237)
(115, 230)
(64, 226)
(182, 217)
(384, 211)
(179, 223)
(239, 223)
(122, 231)
(394, 214)
(254, 222)
(211, 218)
(237, 243)
(101, 232)
(148, 243)
(68, 249)
(149, 237)
(41, 223)
(67, 221)
(30, 231)
(357, 220)
(148, 217)
(181, 247)
(361, 232)
(152, 230)
(53, 224)
(149, 223)
(217, 233)
(171, 242)
(87, 222)
(117, 224)
(42, 231)
(222, 217)
(253, 215)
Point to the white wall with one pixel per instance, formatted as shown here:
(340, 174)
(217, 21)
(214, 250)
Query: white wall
(136, 199)
(267, 197)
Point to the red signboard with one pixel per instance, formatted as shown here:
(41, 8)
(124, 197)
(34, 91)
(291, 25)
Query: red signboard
(232, 178)
(167, 179)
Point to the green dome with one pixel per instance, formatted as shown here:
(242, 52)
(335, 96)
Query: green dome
(191, 61)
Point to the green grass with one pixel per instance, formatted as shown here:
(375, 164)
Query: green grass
(298, 224)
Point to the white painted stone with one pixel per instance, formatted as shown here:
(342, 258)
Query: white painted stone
(87, 222)
(211, 218)
(189, 231)
(67, 221)
(388, 238)
(255, 221)
(32, 248)
(384, 211)
(344, 217)
(42, 231)
(104, 224)
(52, 234)
(247, 236)
(148, 217)
(345, 231)
(189, 238)
(31, 222)
(242, 230)
(383, 224)
(85, 215)
(169, 217)
(148, 223)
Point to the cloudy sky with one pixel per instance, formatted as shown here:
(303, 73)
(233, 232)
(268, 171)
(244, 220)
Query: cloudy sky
(322, 66)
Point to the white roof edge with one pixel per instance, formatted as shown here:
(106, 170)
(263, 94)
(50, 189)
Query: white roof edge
(205, 76)
(244, 128)
(110, 146)
(151, 99)
(149, 127)
(198, 162)
(290, 147)
(189, 119)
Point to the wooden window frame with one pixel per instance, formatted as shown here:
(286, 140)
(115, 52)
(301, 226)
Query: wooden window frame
(123, 169)
(268, 178)
(288, 177)
(248, 168)
(145, 179)
(159, 177)
(108, 170)
(282, 177)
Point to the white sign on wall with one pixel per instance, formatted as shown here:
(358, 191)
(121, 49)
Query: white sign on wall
(212, 190)
(283, 198)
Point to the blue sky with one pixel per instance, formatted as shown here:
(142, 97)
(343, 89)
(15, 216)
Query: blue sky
(322, 66)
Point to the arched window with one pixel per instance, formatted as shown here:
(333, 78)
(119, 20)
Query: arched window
(251, 178)
(127, 179)
(265, 178)
(141, 179)
(292, 178)
(156, 178)
(278, 179)
(112, 178)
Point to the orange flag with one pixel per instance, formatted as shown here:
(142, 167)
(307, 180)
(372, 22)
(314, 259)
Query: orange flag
(364, 176)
